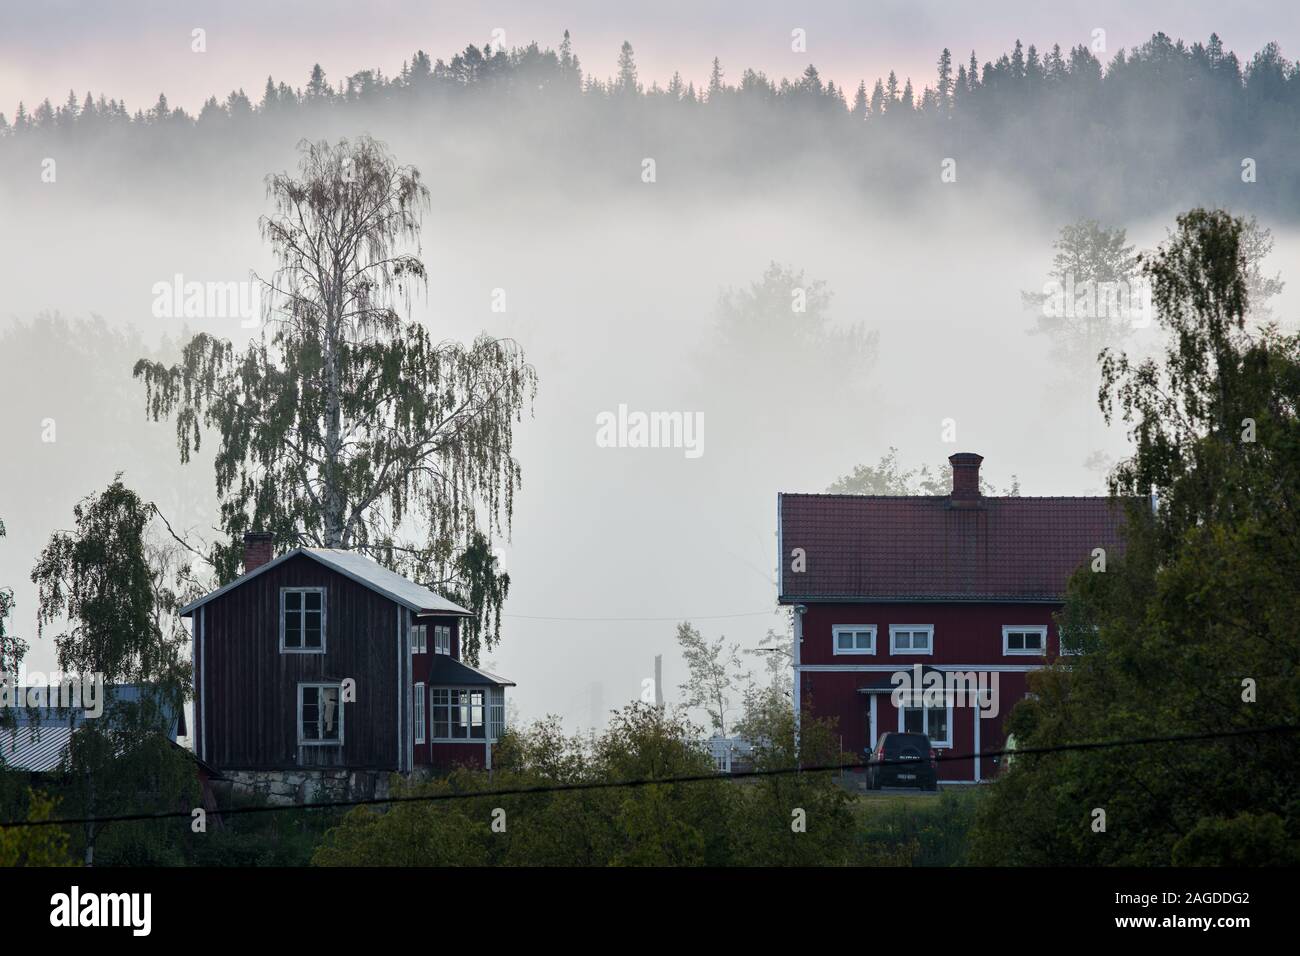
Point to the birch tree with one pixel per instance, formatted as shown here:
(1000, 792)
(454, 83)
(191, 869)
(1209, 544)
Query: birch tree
(343, 423)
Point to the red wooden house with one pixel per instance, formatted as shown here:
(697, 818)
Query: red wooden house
(950, 588)
(325, 660)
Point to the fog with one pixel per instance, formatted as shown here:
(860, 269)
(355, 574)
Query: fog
(611, 285)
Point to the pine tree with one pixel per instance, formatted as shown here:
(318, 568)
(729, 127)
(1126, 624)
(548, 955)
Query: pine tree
(944, 89)
(1056, 71)
(268, 96)
(878, 99)
(675, 86)
(317, 87)
(715, 79)
(627, 83)
(811, 81)
(861, 106)
(1033, 67)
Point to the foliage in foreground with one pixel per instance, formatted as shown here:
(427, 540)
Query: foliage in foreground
(709, 822)
(1195, 629)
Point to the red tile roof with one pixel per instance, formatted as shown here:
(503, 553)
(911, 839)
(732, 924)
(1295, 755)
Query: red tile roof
(879, 548)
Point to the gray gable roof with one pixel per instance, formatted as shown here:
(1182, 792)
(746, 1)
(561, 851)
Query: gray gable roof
(359, 568)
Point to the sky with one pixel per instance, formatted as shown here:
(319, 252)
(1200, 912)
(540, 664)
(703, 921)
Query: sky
(136, 49)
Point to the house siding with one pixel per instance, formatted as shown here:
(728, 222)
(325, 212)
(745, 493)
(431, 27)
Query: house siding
(965, 637)
(421, 666)
(247, 688)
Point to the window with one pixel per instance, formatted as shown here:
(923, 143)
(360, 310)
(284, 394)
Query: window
(442, 639)
(854, 638)
(419, 713)
(934, 722)
(1024, 639)
(460, 713)
(496, 712)
(302, 620)
(911, 639)
(441, 713)
(320, 715)
(419, 639)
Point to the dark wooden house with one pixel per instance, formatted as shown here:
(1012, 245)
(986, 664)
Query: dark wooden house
(325, 659)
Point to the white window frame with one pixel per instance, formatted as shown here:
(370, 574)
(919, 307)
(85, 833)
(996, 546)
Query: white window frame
(419, 638)
(1009, 629)
(419, 713)
(442, 639)
(894, 650)
(303, 685)
(496, 713)
(925, 723)
(302, 611)
(837, 629)
(493, 712)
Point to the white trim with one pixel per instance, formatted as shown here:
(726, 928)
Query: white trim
(319, 684)
(408, 682)
(302, 621)
(947, 744)
(420, 639)
(420, 713)
(439, 632)
(453, 704)
(1024, 628)
(780, 549)
(203, 685)
(929, 630)
(890, 668)
(837, 629)
(871, 724)
(401, 744)
(799, 610)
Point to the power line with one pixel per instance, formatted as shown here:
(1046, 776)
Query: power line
(680, 617)
(664, 781)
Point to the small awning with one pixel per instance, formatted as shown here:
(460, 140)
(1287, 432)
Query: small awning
(448, 672)
(884, 683)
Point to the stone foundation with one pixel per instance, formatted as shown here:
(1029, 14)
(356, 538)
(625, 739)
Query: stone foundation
(287, 787)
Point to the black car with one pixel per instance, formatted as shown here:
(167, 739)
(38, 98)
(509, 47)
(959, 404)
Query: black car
(903, 760)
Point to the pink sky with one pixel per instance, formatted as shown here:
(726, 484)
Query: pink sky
(138, 48)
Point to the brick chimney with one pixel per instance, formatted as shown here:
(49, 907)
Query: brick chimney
(965, 476)
(257, 549)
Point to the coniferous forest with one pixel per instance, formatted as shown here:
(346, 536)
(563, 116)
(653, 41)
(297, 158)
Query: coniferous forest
(1108, 135)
